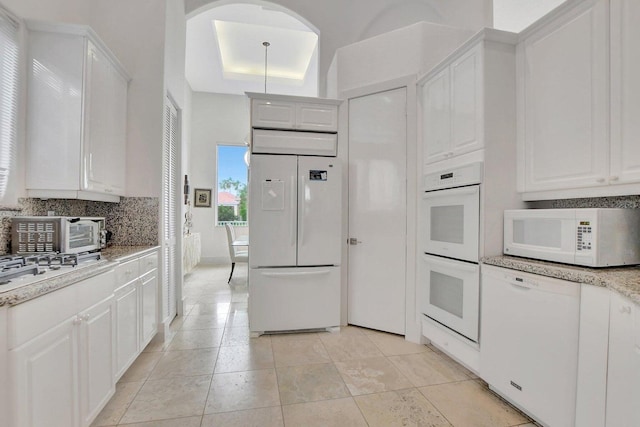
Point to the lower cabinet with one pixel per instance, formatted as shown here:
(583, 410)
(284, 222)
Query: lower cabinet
(623, 374)
(127, 335)
(136, 308)
(62, 375)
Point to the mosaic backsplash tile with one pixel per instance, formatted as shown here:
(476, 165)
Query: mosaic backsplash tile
(133, 221)
(626, 202)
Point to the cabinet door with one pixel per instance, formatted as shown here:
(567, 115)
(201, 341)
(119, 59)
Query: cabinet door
(623, 377)
(563, 72)
(97, 383)
(127, 332)
(466, 102)
(149, 306)
(625, 91)
(273, 114)
(45, 371)
(436, 119)
(104, 121)
(318, 117)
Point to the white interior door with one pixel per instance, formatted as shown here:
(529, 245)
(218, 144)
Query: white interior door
(377, 210)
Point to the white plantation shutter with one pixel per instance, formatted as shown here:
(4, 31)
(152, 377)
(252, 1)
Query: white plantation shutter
(169, 213)
(8, 96)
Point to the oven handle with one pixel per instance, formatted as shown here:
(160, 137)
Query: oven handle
(462, 191)
(457, 265)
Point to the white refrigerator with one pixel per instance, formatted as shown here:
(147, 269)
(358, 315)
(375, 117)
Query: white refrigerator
(295, 220)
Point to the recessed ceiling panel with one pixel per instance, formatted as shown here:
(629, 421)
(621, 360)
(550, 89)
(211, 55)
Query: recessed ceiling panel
(242, 51)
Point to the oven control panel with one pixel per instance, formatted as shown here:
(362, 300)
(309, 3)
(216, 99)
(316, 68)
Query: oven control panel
(455, 177)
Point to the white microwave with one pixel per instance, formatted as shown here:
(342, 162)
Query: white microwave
(588, 237)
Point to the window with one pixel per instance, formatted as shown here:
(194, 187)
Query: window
(9, 52)
(231, 194)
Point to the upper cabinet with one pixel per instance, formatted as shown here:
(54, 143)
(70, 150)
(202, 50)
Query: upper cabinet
(625, 91)
(76, 115)
(282, 112)
(460, 96)
(577, 100)
(452, 108)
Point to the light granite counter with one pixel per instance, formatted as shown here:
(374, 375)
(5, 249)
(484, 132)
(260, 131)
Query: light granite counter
(111, 257)
(624, 280)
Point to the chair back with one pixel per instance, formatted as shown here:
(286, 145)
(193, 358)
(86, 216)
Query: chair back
(231, 236)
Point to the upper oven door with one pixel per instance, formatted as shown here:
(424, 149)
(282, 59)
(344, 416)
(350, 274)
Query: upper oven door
(450, 221)
(81, 235)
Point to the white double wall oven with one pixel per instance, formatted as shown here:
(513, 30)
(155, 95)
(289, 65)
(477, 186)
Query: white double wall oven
(449, 252)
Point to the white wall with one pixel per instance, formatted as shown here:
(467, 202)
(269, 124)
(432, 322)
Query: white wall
(215, 118)
(378, 59)
(516, 15)
(342, 23)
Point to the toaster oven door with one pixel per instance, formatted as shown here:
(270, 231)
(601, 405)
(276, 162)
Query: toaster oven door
(81, 235)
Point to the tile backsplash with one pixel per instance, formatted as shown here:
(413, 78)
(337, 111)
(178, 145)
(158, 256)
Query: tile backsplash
(133, 221)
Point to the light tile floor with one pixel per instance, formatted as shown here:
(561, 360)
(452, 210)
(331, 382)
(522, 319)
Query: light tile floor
(211, 373)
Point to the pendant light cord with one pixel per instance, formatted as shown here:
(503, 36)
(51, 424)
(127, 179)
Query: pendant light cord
(266, 46)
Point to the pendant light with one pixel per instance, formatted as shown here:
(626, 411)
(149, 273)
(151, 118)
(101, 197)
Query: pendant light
(266, 47)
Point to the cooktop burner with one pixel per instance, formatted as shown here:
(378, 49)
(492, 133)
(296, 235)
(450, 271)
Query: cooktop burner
(24, 268)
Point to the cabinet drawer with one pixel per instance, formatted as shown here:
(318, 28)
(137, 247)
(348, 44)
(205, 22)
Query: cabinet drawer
(127, 272)
(318, 117)
(30, 319)
(287, 142)
(148, 263)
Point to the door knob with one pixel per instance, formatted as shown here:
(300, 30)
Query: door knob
(353, 241)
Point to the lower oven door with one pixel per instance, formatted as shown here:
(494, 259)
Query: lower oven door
(450, 293)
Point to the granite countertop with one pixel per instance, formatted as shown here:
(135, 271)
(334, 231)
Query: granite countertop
(111, 257)
(624, 280)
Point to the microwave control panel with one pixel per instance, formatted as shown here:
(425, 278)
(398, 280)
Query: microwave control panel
(584, 236)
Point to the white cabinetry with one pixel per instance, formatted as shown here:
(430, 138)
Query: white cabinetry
(623, 376)
(60, 355)
(136, 302)
(578, 100)
(452, 107)
(467, 101)
(625, 91)
(278, 112)
(76, 115)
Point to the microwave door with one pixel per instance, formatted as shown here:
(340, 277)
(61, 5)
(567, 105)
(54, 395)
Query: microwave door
(540, 235)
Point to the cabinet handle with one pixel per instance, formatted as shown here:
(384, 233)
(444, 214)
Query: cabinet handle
(625, 309)
(77, 320)
(600, 180)
(85, 317)
(614, 178)
(108, 190)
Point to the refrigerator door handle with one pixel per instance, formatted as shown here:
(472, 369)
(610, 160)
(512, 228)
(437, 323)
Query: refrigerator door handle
(292, 202)
(301, 210)
(296, 274)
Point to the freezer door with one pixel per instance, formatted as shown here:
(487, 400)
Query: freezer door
(285, 299)
(319, 211)
(272, 211)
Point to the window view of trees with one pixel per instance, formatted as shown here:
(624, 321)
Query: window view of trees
(232, 185)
